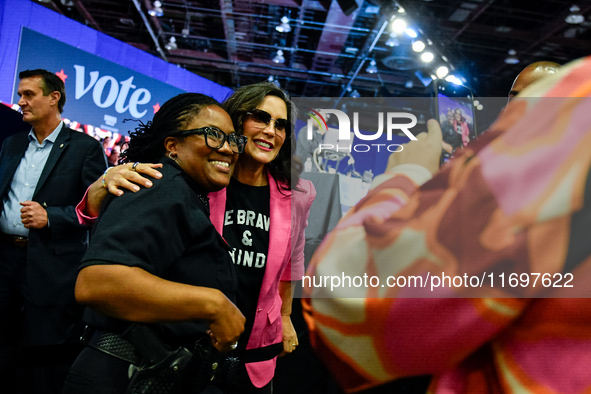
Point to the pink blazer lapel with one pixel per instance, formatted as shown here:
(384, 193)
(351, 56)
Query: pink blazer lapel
(217, 209)
(279, 233)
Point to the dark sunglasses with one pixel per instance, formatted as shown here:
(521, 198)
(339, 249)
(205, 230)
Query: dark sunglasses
(215, 138)
(260, 116)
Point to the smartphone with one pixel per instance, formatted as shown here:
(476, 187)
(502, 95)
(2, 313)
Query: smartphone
(453, 107)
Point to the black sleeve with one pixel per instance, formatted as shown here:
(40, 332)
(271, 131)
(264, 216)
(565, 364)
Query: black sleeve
(149, 229)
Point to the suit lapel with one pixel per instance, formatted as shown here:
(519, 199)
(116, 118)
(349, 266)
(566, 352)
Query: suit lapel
(279, 231)
(60, 145)
(217, 209)
(13, 156)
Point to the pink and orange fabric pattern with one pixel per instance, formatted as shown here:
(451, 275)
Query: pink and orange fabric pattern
(515, 201)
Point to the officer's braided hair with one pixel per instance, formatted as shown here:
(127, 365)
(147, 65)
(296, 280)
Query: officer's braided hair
(147, 141)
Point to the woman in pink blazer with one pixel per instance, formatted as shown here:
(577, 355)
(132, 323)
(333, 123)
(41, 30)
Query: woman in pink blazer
(461, 126)
(264, 202)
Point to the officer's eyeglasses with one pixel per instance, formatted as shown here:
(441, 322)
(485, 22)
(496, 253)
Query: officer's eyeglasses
(215, 138)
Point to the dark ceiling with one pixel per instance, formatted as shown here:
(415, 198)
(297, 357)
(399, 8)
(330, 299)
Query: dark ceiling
(233, 42)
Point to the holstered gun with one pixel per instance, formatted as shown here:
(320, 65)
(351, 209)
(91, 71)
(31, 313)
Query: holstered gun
(173, 371)
(162, 369)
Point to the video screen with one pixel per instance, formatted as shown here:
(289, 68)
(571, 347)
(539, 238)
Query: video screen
(456, 117)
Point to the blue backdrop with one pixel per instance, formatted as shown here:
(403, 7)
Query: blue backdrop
(64, 43)
(98, 92)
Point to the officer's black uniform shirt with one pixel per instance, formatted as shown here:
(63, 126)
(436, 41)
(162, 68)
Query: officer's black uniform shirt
(166, 231)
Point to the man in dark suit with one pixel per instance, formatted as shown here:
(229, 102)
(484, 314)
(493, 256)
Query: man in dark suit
(43, 175)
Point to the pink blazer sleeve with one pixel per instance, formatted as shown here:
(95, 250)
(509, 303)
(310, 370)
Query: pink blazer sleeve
(83, 217)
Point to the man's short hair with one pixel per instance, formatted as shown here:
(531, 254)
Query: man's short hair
(50, 83)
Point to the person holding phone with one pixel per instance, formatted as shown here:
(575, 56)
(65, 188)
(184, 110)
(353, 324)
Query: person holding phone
(500, 207)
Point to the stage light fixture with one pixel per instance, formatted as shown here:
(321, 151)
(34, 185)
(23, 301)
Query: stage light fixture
(442, 72)
(398, 26)
(372, 68)
(411, 33)
(157, 9)
(393, 40)
(453, 79)
(274, 80)
(418, 46)
(355, 94)
(279, 57)
(512, 58)
(427, 57)
(187, 29)
(575, 16)
(171, 45)
(284, 26)
(409, 84)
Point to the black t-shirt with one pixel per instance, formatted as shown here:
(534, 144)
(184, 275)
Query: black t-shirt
(166, 231)
(246, 228)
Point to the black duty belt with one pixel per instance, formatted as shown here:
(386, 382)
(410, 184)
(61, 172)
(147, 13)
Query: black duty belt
(114, 345)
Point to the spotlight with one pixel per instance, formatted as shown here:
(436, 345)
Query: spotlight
(399, 25)
(442, 71)
(400, 10)
(512, 59)
(372, 68)
(284, 27)
(275, 81)
(476, 102)
(279, 57)
(575, 16)
(480, 107)
(157, 10)
(427, 57)
(453, 79)
(409, 84)
(411, 33)
(418, 46)
(393, 40)
(355, 94)
(171, 45)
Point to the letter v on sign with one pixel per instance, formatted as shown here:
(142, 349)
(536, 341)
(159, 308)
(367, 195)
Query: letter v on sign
(80, 89)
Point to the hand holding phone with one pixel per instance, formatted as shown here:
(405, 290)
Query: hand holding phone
(425, 151)
(453, 107)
